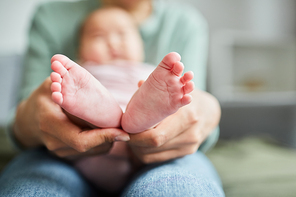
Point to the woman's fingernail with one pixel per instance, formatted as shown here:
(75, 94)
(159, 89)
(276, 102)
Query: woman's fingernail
(123, 138)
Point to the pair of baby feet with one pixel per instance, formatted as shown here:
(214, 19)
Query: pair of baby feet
(83, 96)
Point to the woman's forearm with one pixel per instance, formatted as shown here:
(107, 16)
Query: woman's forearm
(21, 129)
(26, 128)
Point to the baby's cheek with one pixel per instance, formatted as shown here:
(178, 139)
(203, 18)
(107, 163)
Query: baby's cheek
(133, 51)
(100, 54)
(137, 54)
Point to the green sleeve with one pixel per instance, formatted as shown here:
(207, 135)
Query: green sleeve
(180, 28)
(54, 29)
(37, 58)
(194, 51)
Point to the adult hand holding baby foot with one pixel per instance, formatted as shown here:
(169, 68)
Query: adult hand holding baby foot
(192, 116)
(40, 121)
(179, 134)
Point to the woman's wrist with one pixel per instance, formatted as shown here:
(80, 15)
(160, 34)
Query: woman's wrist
(22, 129)
(26, 126)
(10, 132)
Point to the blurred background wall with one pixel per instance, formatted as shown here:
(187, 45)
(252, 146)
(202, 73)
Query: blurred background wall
(252, 64)
(261, 16)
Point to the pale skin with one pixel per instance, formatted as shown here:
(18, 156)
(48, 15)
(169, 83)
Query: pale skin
(108, 35)
(40, 121)
(80, 94)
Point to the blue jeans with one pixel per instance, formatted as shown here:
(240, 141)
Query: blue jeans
(37, 173)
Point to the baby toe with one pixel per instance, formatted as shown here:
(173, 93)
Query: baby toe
(170, 59)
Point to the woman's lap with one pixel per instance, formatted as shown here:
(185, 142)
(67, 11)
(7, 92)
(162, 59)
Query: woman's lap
(37, 173)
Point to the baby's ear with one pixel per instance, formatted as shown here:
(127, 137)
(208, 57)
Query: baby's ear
(140, 83)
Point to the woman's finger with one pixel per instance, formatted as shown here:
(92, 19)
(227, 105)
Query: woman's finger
(83, 141)
(52, 143)
(56, 123)
(88, 139)
(186, 143)
(165, 131)
(191, 137)
(72, 154)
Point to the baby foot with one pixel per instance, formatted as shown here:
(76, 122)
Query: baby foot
(161, 95)
(80, 94)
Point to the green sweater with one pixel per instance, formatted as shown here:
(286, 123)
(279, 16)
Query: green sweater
(171, 27)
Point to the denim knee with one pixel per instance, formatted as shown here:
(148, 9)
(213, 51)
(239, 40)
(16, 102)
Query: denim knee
(175, 185)
(192, 175)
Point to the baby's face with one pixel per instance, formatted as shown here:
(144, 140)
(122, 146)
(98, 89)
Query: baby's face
(109, 35)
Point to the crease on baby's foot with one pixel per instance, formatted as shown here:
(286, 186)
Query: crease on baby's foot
(166, 65)
(155, 78)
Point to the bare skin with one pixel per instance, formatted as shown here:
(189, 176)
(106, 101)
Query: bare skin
(39, 121)
(171, 139)
(161, 95)
(80, 94)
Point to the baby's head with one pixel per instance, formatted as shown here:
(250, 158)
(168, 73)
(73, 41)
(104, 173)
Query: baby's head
(110, 34)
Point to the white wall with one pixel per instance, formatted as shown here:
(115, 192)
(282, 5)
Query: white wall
(15, 16)
(268, 16)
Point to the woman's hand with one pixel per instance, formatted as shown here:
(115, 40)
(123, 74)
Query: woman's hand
(179, 134)
(39, 121)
